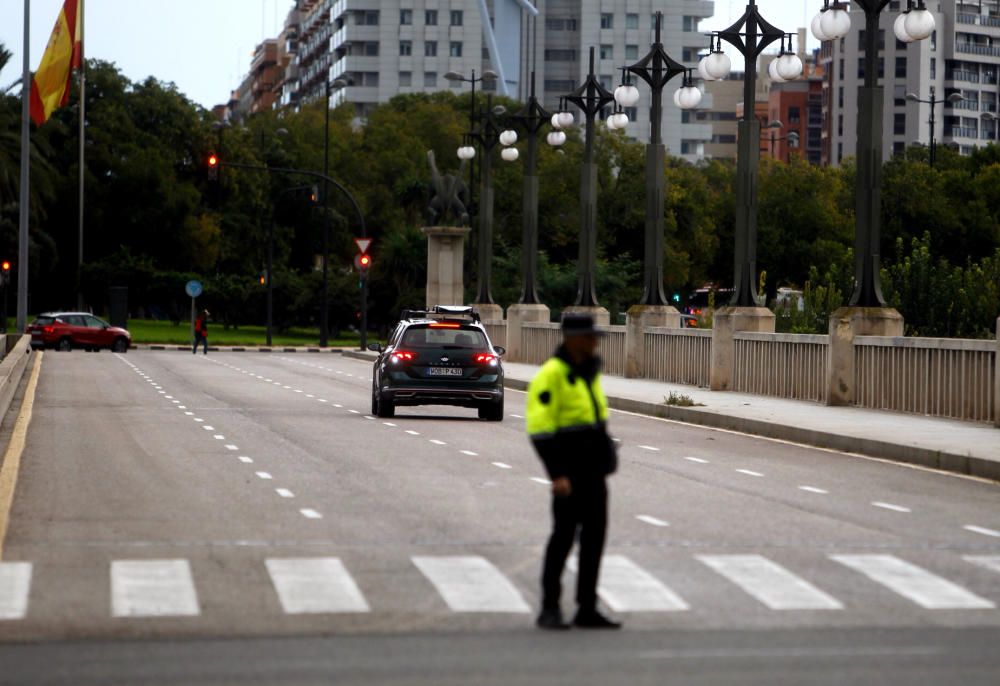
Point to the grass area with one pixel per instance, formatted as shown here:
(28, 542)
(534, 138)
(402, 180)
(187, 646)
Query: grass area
(153, 331)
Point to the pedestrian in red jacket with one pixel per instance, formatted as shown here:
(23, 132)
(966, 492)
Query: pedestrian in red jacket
(201, 332)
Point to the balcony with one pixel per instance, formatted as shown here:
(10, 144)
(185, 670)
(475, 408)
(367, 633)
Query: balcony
(961, 132)
(977, 20)
(978, 49)
(970, 105)
(962, 75)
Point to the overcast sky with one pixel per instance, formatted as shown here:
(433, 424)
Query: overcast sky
(205, 46)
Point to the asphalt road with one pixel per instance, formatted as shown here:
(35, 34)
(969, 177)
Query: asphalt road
(240, 518)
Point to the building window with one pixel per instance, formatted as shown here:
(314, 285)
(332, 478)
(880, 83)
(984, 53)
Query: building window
(631, 52)
(933, 68)
(631, 21)
(607, 52)
(457, 17)
(794, 115)
(431, 17)
(560, 55)
(369, 79)
(405, 79)
(632, 113)
(559, 85)
(430, 79)
(900, 67)
(899, 124)
(840, 125)
(455, 49)
(607, 20)
(690, 24)
(690, 54)
(370, 49)
(405, 48)
(840, 97)
(606, 81)
(430, 48)
(368, 18)
(405, 17)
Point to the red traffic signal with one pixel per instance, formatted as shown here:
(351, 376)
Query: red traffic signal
(363, 262)
(5, 265)
(213, 167)
(213, 160)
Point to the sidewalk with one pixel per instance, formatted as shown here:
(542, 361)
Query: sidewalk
(950, 445)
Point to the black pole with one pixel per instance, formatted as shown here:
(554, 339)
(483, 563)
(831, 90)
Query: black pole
(324, 315)
(657, 68)
(532, 119)
(933, 150)
(270, 280)
(364, 309)
(868, 194)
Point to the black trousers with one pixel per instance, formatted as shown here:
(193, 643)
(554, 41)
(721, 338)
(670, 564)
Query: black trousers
(202, 339)
(585, 511)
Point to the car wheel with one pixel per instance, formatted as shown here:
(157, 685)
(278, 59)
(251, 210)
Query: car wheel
(120, 346)
(386, 408)
(64, 344)
(492, 412)
(374, 402)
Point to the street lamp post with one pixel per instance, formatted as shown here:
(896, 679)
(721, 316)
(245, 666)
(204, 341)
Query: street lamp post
(591, 97)
(832, 23)
(750, 35)
(657, 68)
(792, 137)
(324, 315)
(934, 101)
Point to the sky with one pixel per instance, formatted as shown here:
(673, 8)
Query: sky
(205, 46)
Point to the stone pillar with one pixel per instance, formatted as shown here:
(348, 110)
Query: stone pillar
(601, 316)
(640, 318)
(517, 315)
(445, 252)
(727, 322)
(845, 324)
(996, 382)
(489, 312)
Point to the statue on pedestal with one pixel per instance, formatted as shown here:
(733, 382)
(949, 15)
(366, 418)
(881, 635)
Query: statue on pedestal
(449, 205)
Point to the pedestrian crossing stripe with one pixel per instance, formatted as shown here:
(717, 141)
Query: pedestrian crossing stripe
(473, 584)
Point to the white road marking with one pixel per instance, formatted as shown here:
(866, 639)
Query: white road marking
(412, 432)
(437, 442)
(309, 513)
(310, 395)
(152, 588)
(469, 453)
(617, 440)
(284, 493)
(189, 414)
(162, 392)
(890, 506)
(219, 437)
(354, 412)
(981, 530)
(264, 475)
(770, 583)
(198, 419)
(813, 489)
(502, 465)
(649, 447)
(696, 459)
(749, 472)
(208, 428)
(287, 388)
(922, 587)
(230, 446)
(168, 397)
(651, 520)
(298, 391)
(471, 584)
(517, 416)
(15, 587)
(338, 405)
(539, 480)
(388, 423)
(627, 587)
(246, 460)
(315, 586)
(323, 400)
(176, 402)
(991, 562)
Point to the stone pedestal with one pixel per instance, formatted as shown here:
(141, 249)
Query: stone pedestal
(845, 324)
(489, 312)
(601, 316)
(518, 315)
(727, 322)
(996, 382)
(640, 318)
(445, 252)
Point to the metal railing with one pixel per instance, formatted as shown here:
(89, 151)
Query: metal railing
(497, 331)
(678, 355)
(977, 49)
(612, 350)
(932, 376)
(538, 341)
(789, 366)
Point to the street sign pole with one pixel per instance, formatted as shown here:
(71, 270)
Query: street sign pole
(364, 310)
(192, 319)
(193, 289)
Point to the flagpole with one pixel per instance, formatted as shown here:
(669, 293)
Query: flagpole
(83, 115)
(22, 233)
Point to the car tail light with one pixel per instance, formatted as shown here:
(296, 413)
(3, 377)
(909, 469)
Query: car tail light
(48, 329)
(401, 356)
(445, 325)
(486, 358)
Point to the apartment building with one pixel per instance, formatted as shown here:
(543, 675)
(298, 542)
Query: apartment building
(962, 56)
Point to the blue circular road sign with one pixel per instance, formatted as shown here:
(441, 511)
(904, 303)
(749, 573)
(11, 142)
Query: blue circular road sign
(193, 289)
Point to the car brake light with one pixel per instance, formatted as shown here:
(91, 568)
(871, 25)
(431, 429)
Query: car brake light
(445, 325)
(486, 358)
(402, 356)
(48, 329)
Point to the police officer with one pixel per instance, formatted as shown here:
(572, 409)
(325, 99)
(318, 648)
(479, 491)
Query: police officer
(567, 417)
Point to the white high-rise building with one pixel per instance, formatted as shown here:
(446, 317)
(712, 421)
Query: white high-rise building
(386, 47)
(962, 56)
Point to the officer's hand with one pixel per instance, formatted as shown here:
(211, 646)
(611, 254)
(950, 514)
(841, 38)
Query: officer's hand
(561, 487)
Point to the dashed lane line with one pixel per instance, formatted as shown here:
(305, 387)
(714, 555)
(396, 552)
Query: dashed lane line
(813, 489)
(696, 459)
(309, 513)
(890, 506)
(648, 519)
(749, 472)
(501, 465)
(982, 530)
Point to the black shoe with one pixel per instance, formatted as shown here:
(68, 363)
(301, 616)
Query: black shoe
(552, 620)
(592, 619)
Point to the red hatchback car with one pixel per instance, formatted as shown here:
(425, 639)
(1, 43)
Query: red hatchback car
(68, 330)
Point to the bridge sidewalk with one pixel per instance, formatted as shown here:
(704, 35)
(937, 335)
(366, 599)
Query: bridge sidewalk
(964, 447)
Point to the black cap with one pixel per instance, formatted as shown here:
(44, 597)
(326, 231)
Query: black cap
(579, 325)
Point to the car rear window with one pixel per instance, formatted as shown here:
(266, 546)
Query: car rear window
(44, 321)
(431, 336)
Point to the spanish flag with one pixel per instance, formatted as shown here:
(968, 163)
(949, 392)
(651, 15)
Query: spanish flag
(51, 85)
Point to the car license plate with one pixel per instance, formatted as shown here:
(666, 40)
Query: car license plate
(445, 371)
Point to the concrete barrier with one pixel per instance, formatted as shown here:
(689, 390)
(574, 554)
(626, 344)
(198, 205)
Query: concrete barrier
(12, 370)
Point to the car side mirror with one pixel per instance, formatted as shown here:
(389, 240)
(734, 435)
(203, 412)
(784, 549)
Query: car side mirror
(501, 351)
(375, 347)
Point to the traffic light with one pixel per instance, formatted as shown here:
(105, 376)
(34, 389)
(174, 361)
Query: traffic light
(314, 195)
(263, 278)
(5, 267)
(677, 297)
(363, 262)
(213, 167)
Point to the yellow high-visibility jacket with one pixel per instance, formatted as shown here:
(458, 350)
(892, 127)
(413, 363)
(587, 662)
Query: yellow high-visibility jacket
(566, 418)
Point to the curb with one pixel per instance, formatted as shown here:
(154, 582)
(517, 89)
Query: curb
(236, 349)
(12, 371)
